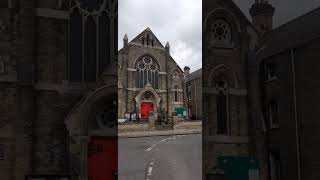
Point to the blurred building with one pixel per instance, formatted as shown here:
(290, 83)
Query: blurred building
(58, 91)
(289, 61)
(260, 90)
(228, 37)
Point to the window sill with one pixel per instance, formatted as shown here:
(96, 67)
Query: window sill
(274, 78)
(274, 128)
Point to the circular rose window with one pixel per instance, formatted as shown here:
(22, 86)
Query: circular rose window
(221, 32)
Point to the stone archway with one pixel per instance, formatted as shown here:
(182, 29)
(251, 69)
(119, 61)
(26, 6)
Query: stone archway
(148, 95)
(83, 127)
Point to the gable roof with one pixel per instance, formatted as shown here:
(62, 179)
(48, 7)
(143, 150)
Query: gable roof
(292, 34)
(242, 15)
(196, 74)
(147, 30)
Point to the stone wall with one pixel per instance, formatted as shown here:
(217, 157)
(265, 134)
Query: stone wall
(8, 117)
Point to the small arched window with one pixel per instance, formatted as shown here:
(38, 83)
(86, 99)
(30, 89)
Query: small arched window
(148, 39)
(222, 107)
(176, 96)
(147, 71)
(1, 65)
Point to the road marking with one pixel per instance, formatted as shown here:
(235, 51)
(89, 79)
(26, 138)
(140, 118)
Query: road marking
(150, 171)
(151, 147)
(163, 140)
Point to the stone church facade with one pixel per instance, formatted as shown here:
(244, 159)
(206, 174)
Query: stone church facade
(149, 79)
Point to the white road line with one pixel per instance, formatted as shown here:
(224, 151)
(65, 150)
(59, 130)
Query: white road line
(163, 140)
(150, 171)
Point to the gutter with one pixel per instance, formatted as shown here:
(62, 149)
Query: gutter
(296, 114)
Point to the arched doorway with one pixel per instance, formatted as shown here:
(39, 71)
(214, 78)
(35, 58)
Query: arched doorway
(92, 127)
(147, 100)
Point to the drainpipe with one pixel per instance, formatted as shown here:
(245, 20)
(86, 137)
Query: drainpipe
(296, 114)
(195, 97)
(167, 83)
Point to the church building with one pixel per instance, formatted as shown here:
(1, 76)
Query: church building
(149, 79)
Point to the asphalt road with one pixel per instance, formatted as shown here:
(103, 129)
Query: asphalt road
(160, 158)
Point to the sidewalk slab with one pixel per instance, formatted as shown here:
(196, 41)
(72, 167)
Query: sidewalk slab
(158, 133)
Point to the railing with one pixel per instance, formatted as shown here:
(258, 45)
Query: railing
(164, 123)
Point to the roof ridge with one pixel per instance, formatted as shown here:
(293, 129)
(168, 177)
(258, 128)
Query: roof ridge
(296, 19)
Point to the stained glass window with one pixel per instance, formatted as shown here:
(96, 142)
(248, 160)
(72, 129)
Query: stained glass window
(147, 71)
(93, 39)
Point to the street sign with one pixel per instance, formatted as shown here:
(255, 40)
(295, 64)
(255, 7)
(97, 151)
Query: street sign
(239, 168)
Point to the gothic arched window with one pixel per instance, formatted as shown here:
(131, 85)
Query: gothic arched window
(1, 65)
(176, 88)
(147, 70)
(220, 33)
(176, 93)
(222, 107)
(93, 38)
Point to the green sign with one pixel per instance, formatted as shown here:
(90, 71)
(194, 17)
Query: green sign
(238, 168)
(180, 111)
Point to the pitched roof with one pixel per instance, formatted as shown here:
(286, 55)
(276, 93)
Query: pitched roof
(196, 74)
(292, 34)
(137, 38)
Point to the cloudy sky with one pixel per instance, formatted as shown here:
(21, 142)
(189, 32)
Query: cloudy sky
(179, 22)
(176, 21)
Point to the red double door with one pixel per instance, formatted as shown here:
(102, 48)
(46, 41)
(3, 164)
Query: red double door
(146, 107)
(103, 158)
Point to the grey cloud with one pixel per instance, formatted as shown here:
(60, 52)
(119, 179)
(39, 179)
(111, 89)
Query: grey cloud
(176, 21)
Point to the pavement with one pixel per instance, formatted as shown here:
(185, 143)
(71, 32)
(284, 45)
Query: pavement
(174, 157)
(134, 134)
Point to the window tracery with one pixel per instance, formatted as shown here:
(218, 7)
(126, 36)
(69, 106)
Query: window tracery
(147, 39)
(220, 33)
(176, 87)
(93, 23)
(147, 72)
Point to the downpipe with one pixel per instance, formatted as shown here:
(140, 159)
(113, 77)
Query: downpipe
(296, 115)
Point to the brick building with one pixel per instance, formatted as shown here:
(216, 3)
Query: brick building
(289, 63)
(194, 93)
